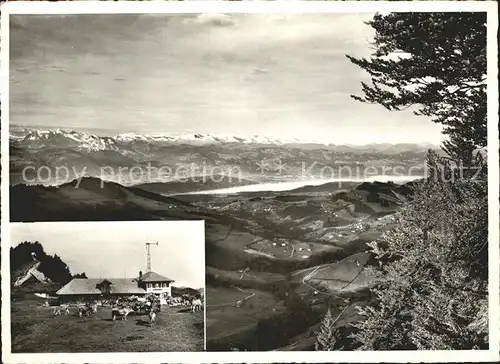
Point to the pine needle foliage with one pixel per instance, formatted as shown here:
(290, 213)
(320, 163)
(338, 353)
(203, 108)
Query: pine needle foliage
(326, 338)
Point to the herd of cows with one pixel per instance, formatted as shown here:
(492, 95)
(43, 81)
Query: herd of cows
(120, 309)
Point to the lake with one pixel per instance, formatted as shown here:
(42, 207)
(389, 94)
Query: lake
(287, 186)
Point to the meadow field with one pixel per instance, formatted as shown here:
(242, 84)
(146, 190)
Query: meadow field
(35, 329)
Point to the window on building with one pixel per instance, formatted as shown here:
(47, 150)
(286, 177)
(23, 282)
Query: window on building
(104, 286)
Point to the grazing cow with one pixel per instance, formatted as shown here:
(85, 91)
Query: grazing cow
(146, 308)
(121, 312)
(141, 308)
(59, 310)
(196, 305)
(156, 307)
(84, 311)
(152, 317)
(87, 310)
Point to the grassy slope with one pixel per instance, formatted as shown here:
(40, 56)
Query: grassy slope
(283, 218)
(35, 329)
(92, 202)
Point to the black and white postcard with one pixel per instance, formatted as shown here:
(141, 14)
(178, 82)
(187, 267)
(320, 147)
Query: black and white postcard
(342, 159)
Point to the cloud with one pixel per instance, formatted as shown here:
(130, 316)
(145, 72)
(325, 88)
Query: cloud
(240, 73)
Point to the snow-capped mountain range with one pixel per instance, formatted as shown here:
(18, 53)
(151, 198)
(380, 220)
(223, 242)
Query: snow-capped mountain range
(96, 142)
(197, 138)
(189, 154)
(32, 138)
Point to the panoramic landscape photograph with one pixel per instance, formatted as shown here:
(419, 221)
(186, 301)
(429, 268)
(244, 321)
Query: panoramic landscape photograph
(338, 161)
(80, 287)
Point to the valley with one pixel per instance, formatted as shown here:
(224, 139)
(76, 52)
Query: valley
(275, 260)
(280, 248)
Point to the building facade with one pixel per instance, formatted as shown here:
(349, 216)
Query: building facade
(154, 283)
(89, 289)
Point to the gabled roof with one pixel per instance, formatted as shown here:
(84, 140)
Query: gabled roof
(154, 277)
(104, 281)
(83, 286)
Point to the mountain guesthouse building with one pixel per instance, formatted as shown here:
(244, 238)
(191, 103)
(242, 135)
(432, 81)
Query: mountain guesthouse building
(89, 289)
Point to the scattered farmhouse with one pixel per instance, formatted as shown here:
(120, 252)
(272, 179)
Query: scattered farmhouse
(102, 288)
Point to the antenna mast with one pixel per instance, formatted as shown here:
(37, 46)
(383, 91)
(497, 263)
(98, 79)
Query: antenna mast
(148, 252)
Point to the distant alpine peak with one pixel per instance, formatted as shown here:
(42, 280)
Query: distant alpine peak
(62, 138)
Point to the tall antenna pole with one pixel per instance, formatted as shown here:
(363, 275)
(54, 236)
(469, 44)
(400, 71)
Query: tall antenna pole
(148, 252)
(148, 257)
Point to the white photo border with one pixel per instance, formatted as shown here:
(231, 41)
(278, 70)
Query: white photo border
(173, 7)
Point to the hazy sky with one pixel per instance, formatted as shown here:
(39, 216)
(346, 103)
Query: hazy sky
(282, 76)
(118, 250)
